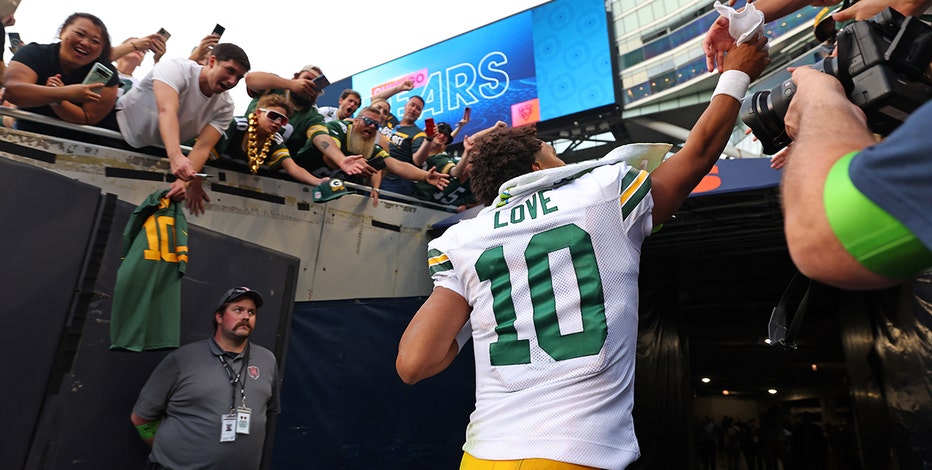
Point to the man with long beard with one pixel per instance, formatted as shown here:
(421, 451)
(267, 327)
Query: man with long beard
(334, 144)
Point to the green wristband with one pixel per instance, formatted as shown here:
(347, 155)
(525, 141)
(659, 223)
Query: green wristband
(871, 235)
(147, 430)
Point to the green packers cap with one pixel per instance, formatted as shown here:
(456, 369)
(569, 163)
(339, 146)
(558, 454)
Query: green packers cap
(329, 190)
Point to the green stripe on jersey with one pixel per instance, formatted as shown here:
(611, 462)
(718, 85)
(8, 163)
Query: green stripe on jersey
(635, 186)
(438, 262)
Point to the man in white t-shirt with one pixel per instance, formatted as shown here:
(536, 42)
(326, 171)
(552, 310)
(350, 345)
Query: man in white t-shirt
(178, 101)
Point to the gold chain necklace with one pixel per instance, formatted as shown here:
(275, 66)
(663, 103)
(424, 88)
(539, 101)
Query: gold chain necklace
(255, 161)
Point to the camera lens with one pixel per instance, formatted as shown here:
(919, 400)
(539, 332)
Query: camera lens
(764, 111)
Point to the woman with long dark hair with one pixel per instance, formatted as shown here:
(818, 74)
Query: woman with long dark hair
(47, 78)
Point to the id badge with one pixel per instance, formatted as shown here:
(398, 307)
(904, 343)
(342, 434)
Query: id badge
(228, 427)
(242, 420)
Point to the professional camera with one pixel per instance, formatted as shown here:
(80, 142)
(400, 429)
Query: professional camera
(883, 63)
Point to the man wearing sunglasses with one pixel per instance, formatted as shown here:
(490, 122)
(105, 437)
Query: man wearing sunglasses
(255, 140)
(339, 144)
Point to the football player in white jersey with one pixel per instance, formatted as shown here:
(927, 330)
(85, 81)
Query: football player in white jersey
(544, 280)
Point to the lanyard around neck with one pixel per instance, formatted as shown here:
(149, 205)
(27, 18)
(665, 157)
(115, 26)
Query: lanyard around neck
(236, 379)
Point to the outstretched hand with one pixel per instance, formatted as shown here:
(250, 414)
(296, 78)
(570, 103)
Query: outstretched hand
(778, 160)
(356, 165)
(438, 180)
(200, 52)
(716, 42)
(196, 197)
(468, 143)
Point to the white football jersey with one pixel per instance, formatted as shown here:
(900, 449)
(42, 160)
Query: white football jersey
(551, 272)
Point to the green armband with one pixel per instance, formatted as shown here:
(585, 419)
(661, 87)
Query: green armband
(147, 430)
(871, 235)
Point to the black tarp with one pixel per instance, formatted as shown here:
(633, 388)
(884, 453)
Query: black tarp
(903, 344)
(344, 406)
(66, 396)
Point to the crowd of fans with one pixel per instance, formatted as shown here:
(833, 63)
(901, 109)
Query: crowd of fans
(185, 102)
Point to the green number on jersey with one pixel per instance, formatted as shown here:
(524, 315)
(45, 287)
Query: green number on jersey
(510, 350)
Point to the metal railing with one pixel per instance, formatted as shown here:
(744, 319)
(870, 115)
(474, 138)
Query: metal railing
(101, 132)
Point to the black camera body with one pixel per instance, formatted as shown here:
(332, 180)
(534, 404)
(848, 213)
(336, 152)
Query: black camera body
(883, 64)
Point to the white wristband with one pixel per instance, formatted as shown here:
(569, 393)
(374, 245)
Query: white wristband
(733, 83)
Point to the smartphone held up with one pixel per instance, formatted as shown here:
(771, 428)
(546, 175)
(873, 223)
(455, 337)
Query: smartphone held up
(15, 42)
(321, 82)
(99, 74)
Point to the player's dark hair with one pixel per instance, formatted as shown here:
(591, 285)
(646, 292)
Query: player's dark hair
(500, 156)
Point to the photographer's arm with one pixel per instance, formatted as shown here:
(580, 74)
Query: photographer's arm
(865, 9)
(825, 127)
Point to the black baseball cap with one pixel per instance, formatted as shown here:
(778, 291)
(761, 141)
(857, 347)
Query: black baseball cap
(237, 292)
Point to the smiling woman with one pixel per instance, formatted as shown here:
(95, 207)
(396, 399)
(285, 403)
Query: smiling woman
(72, 79)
